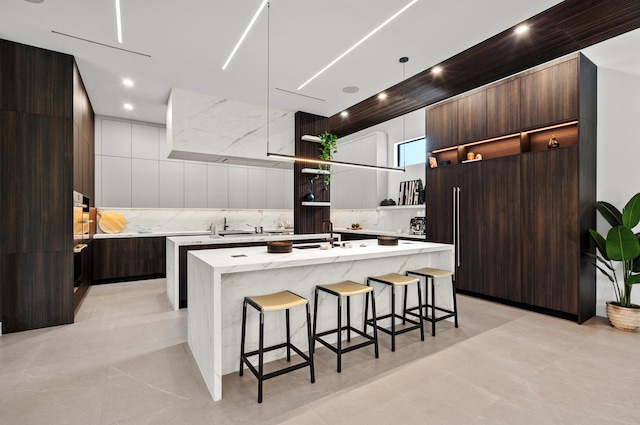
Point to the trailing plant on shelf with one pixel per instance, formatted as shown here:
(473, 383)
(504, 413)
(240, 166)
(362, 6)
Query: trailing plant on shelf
(328, 148)
(619, 251)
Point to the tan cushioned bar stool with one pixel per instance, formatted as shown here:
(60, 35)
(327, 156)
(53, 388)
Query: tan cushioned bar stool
(275, 302)
(394, 280)
(339, 290)
(430, 275)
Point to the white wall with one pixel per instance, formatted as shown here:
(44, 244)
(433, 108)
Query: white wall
(618, 175)
(132, 171)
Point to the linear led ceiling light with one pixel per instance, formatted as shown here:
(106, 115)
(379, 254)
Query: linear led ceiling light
(118, 21)
(244, 34)
(332, 162)
(359, 43)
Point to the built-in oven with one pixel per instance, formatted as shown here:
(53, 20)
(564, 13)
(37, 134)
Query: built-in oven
(81, 226)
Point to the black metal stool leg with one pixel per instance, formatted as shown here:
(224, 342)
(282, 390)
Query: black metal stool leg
(288, 337)
(311, 344)
(375, 325)
(393, 318)
(261, 357)
(366, 313)
(433, 307)
(244, 325)
(348, 319)
(420, 312)
(339, 334)
(312, 347)
(455, 303)
(404, 306)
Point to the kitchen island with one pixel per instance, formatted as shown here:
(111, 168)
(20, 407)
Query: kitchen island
(218, 281)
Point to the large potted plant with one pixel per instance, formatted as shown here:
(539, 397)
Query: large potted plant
(328, 147)
(620, 251)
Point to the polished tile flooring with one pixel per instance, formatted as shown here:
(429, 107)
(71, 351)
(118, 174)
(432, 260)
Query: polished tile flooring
(126, 361)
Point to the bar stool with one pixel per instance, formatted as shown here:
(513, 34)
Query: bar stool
(394, 280)
(274, 302)
(430, 274)
(339, 290)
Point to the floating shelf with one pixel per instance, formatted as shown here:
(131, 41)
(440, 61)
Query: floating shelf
(316, 204)
(314, 171)
(308, 138)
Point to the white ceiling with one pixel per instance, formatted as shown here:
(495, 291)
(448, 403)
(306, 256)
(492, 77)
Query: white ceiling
(189, 41)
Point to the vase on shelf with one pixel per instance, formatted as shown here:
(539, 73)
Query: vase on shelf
(553, 142)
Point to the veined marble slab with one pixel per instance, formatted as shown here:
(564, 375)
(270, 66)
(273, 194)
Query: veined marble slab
(173, 253)
(218, 281)
(210, 127)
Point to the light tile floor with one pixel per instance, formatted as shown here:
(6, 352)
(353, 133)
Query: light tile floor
(126, 361)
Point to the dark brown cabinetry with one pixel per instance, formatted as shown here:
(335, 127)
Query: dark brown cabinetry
(503, 108)
(37, 175)
(126, 258)
(521, 222)
(442, 125)
(472, 117)
(549, 95)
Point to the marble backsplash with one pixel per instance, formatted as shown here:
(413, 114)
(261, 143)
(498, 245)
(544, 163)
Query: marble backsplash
(390, 219)
(184, 219)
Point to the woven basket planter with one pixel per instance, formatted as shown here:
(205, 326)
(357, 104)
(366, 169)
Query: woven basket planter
(624, 318)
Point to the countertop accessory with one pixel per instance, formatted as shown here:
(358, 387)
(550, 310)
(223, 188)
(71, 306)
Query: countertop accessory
(111, 222)
(553, 142)
(279, 247)
(388, 240)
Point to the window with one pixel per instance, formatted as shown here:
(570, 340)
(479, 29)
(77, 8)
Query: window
(411, 152)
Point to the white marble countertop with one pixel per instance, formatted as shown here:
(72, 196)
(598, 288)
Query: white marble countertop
(190, 233)
(379, 233)
(208, 240)
(232, 260)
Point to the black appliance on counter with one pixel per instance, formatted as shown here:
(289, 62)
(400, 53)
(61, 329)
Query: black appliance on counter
(418, 225)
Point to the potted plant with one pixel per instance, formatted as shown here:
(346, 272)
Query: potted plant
(328, 147)
(620, 250)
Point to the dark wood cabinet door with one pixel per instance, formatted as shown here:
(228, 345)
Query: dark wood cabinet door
(114, 258)
(439, 204)
(550, 95)
(500, 221)
(503, 108)
(442, 126)
(472, 117)
(151, 257)
(551, 245)
(470, 179)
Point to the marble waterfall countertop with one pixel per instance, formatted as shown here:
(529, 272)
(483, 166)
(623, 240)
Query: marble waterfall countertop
(219, 279)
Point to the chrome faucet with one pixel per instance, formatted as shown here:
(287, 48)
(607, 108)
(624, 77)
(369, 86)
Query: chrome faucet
(225, 227)
(328, 224)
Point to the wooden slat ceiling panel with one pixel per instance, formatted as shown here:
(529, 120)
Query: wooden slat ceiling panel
(565, 28)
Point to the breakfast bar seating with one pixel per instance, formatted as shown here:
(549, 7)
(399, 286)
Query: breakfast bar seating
(394, 280)
(346, 289)
(430, 274)
(278, 301)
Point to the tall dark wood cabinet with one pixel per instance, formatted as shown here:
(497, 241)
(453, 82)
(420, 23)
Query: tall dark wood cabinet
(442, 125)
(36, 186)
(521, 224)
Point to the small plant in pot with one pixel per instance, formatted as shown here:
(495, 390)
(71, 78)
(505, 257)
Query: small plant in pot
(620, 251)
(328, 148)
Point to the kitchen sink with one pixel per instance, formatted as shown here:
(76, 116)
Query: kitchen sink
(236, 233)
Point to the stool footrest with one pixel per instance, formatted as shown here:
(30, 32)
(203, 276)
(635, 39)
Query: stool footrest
(370, 339)
(416, 325)
(278, 372)
(429, 318)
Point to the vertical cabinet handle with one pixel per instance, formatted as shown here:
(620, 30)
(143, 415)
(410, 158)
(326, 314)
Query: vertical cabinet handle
(458, 223)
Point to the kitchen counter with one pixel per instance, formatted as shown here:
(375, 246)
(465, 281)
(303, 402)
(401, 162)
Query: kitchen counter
(176, 278)
(189, 233)
(380, 233)
(218, 281)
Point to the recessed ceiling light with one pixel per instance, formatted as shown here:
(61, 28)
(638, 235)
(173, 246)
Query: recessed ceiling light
(521, 29)
(344, 114)
(244, 34)
(359, 42)
(128, 106)
(351, 89)
(35, 1)
(382, 96)
(118, 21)
(436, 70)
(127, 82)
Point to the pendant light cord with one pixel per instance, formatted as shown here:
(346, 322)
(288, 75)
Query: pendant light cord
(268, 69)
